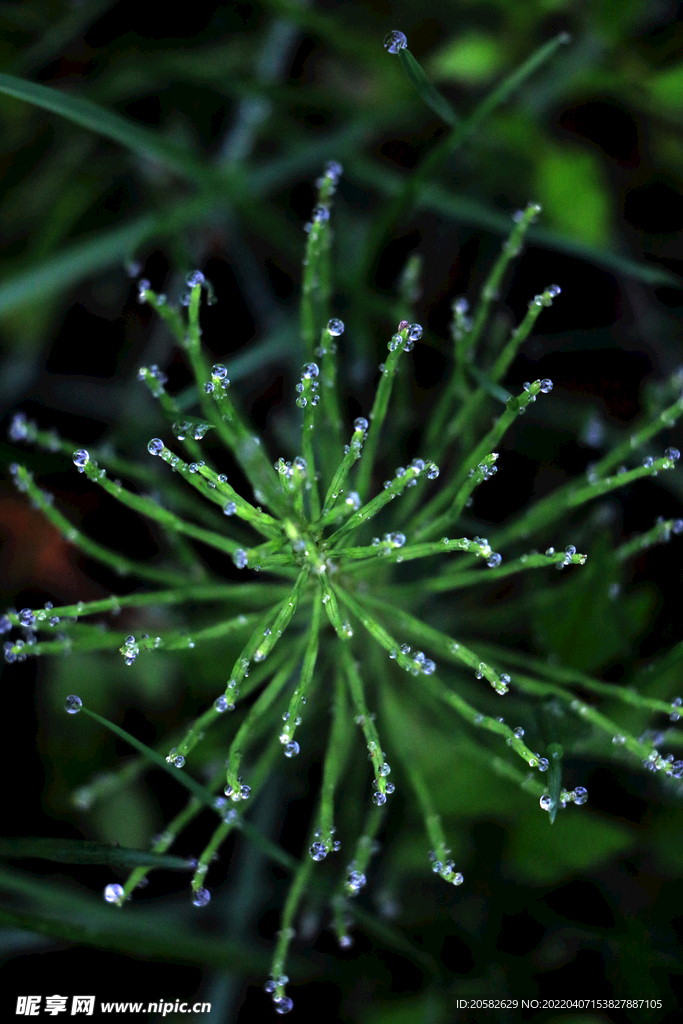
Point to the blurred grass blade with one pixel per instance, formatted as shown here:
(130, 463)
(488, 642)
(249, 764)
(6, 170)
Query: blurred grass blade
(76, 851)
(466, 210)
(201, 793)
(87, 114)
(85, 921)
(425, 90)
(501, 94)
(108, 247)
(84, 258)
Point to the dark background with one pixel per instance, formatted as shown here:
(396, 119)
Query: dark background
(595, 138)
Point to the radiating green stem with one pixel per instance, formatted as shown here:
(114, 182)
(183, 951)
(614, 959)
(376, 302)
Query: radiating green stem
(468, 337)
(447, 647)
(336, 757)
(402, 203)
(315, 287)
(152, 510)
(367, 724)
(379, 410)
(119, 563)
(259, 776)
(307, 680)
(564, 674)
(392, 490)
(432, 821)
(259, 709)
(351, 455)
(287, 933)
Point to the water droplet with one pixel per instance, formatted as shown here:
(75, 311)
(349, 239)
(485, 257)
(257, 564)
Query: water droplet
(545, 802)
(415, 332)
(355, 882)
(335, 327)
(318, 851)
(27, 618)
(673, 454)
(283, 1005)
(113, 892)
(81, 458)
(580, 795)
(201, 897)
(494, 560)
(240, 558)
(309, 371)
(179, 761)
(73, 704)
(321, 214)
(395, 41)
(546, 385)
(155, 446)
(292, 749)
(195, 278)
(379, 798)
(18, 428)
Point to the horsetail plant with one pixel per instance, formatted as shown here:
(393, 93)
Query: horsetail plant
(329, 620)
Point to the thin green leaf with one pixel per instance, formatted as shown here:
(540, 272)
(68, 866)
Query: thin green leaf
(554, 777)
(425, 90)
(96, 118)
(85, 921)
(77, 851)
(466, 210)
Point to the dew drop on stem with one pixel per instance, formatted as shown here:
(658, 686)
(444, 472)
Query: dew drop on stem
(395, 41)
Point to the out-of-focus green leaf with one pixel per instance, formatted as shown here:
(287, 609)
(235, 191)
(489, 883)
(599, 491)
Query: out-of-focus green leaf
(87, 921)
(463, 209)
(430, 96)
(425, 1009)
(129, 817)
(574, 194)
(666, 87)
(665, 827)
(472, 59)
(586, 624)
(467, 788)
(78, 851)
(577, 842)
(87, 114)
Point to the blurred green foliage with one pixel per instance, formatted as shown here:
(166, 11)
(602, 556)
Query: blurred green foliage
(226, 110)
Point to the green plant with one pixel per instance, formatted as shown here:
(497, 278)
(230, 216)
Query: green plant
(307, 525)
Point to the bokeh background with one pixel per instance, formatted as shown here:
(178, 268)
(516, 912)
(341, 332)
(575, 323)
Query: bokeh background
(269, 92)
